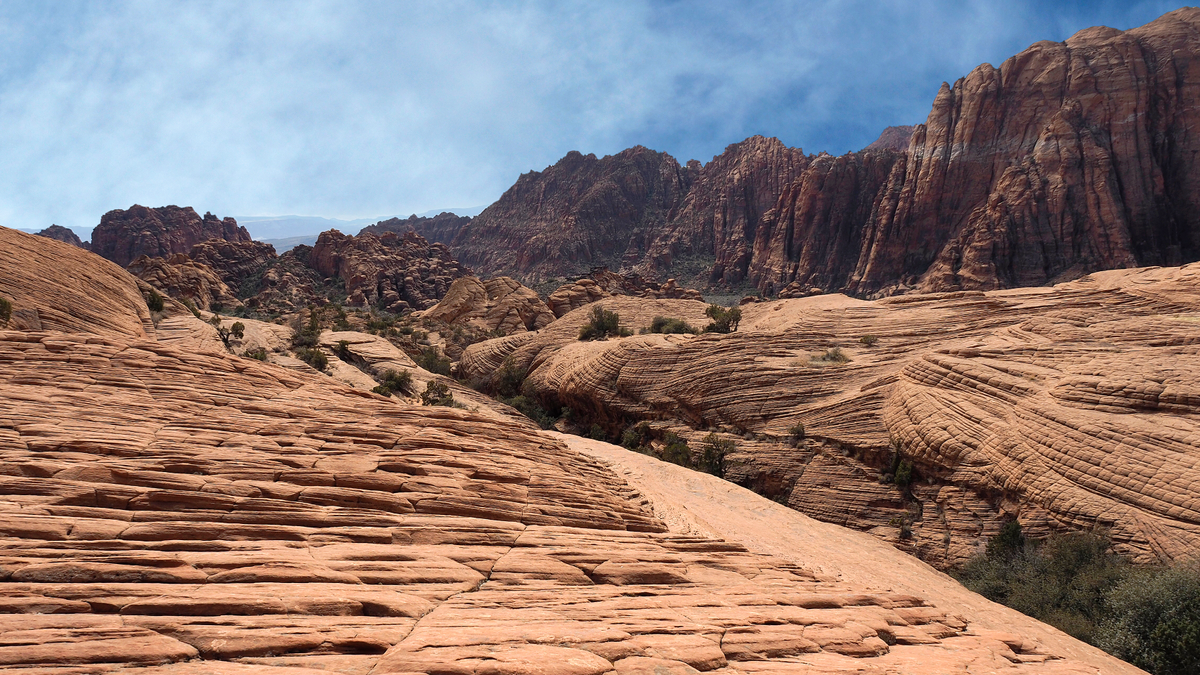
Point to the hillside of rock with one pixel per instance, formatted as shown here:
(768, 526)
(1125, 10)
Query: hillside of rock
(440, 229)
(181, 278)
(178, 509)
(1068, 158)
(396, 272)
(499, 304)
(65, 235)
(241, 264)
(1065, 408)
(125, 235)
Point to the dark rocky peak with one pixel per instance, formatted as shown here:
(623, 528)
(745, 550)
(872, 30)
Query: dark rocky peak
(65, 235)
(893, 138)
(124, 235)
(440, 229)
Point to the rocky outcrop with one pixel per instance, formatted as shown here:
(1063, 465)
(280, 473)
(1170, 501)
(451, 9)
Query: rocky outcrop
(1065, 408)
(180, 277)
(241, 264)
(124, 235)
(440, 229)
(393, 272)
(1068, 158)
(65, 235)
(290, 284)
(893, 138)
(499, 304)
(603, 283)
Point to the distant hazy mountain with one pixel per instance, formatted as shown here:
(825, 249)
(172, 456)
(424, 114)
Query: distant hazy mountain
(284, 232)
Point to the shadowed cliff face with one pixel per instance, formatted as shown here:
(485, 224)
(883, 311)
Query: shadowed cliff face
(1069, 158)
(124, 235)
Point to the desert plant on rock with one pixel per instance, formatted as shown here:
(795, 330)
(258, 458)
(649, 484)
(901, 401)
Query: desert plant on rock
(431, 360)
(713, 451)
(306, 334)
(832, 355)
(602, 325)
(5, 311)
(395, 383)
(724, 319)
(796, 434)
(258, 354)
(509, 378)
(228, 334)
(868, 340)
(437, 393)
(668, 325)
(155, 301)
(313, 357)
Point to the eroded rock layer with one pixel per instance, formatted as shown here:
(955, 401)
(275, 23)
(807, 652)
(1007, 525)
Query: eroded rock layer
(396, 272)
(1066, 408)
(124, 235)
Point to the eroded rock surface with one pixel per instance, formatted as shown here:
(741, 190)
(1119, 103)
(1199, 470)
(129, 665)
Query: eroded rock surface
(181, 277)
(499, 304)
(125, 235)
(241, 264)
(1066, 408)
(65, 235)
(397, 272)
(440, 229)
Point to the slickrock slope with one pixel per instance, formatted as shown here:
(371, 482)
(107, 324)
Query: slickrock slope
(400, 272)
(602, 283)
(1066, 407)
(124, 235)
(65, 235)
(1068, 158)
(440, 229)
(496, 304)
(97, 296)
(180, 277)
(169, 510)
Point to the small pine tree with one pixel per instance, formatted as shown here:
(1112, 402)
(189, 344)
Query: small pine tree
(724, 319)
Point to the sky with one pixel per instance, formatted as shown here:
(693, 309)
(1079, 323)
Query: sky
(353, 109)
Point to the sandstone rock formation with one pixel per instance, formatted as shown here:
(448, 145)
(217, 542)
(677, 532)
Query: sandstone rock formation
(1068, 158)
(1066, 408)
(602, 283)
(893, 138)
(65, 235)
(124, 235)
(241, 264)
(499, 304)
(440, 229)
(180, 511)
(396, 272)
(180, 277)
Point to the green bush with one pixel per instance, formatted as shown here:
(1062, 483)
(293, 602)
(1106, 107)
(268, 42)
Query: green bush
(432, 360)
(155, 301)
(306, 335)
(342, 349)
(675, 450)
(437, 393)
(904, 474)
(5, 311)
(258, 354)
(868, 340)
(191, 307)
(663, 324)
(712, 454)
(313, 357)
(637, 437)
(724, 319)
(531, 409)
(596, 433)
(395, 383)
(796, 433)
(237, 330)
(602, 325)
(833, 355)
(1010, 542)
(1155, 621)
(509, 378)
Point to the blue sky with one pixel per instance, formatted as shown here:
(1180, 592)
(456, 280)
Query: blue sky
(355, 109)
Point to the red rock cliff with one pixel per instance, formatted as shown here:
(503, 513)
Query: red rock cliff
(124, 235)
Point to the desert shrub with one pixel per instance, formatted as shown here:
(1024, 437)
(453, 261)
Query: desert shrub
(530, 408)
(437, 393)
(713, 452)
(306, 334)
(596, 433)
(258, 354)
(227, 334)
(342, 349)
(637, 437)
(796, 433)
(191, 307)
(1010, 542)
(868, 340)
(1154, 621)
(5, 311)
(904, 473)
(675, 450)
(724, 319)
(395, 383)
(340, 321)
(602, 325)
(313, 357)
(431, 360)
(155, 302)
(663, 324)
(833, 355)
(509, 378)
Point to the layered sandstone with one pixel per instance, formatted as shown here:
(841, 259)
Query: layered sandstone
(180, 277)
(241, 264)
(602, 283)
(65, 235)
(178, 509)
(499, 304)
(1068, 158)
(1065, 408)
(395, 272)
(124, 235)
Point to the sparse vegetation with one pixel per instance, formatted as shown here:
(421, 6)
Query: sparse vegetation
(1147, 616)
(796, 434)
(530, 408)
(313, 357)
(868, 340)
(306, 334)
(437, 393)
(155, 302)
(5, 311)
(395, 383)
(431, 360)
(258, 354)
(904, 474)
(832, 355)
(509, 378)
(342, 350)
(669, 325)
(603, 325)
(724, 319)
(713, 452)
(191, 307)
(230, 333)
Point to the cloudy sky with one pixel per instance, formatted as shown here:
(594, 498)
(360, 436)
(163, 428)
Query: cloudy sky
(356, 109)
